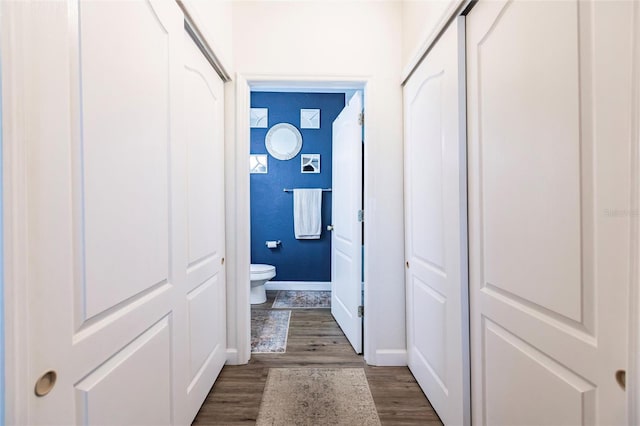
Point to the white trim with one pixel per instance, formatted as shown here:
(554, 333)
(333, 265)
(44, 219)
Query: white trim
(298, 285)
(232, 356)
(369, 335)
(633, 369)
(464, 200)
(2, 180)
(238, 208)
(264, 83)
(391, 357)
(267, 88)
(238, 238)
(15, 85)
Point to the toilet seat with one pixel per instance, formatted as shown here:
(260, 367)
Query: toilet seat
(262, 272)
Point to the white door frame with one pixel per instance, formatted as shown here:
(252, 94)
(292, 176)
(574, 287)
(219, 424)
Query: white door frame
(15, 88)
(238, 203)
(633, 373)
(2, 319)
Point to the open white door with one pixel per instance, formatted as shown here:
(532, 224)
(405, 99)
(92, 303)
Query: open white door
(346, 238)
(549, 210)
(435, 229)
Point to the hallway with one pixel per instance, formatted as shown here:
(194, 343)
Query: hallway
(315, 340)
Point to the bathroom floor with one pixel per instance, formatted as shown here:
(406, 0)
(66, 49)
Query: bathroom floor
(315, 340)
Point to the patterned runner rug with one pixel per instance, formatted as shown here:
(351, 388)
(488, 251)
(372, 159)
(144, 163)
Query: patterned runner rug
(302, 299)
(269, 330)
(317, 396)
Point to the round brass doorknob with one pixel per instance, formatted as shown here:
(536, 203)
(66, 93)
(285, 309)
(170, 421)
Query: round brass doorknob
(330, 228)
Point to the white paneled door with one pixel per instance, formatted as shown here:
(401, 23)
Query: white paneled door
(346, 238)
(549, 210)
(436, 228)
(205, 284)
(125, 216)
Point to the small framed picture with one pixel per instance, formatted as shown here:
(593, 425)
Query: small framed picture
(309, 118)
(258, 163)
(259, 118)
(310, 163)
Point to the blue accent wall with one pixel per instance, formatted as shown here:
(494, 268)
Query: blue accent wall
(271, 208)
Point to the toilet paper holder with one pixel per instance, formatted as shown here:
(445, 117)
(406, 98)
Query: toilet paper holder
(273, 244)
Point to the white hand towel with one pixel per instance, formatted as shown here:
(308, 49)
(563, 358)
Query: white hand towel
(307, 213)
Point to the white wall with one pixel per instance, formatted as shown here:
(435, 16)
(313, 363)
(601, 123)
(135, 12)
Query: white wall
(348, 39)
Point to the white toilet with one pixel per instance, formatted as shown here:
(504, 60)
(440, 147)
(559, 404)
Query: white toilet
(260, 274)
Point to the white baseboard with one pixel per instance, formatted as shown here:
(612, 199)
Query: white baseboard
(232, 356)
(298, 285)
(391, 358)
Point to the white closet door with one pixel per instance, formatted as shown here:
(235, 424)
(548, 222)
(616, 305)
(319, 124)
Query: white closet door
(203, 108)
(549, 209)
(435, 228)
(106, 184)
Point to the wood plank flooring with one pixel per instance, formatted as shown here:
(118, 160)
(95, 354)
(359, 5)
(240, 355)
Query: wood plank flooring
(315, 340)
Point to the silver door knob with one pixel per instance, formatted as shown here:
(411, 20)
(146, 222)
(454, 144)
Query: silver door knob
(330, 228)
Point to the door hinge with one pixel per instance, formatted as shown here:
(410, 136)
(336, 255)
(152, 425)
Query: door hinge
(361, 119)
(360, 311)
(360, 215)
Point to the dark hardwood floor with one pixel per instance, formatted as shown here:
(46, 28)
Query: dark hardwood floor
(315, 340)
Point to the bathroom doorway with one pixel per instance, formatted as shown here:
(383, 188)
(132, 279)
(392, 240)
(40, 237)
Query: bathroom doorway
(303, 264)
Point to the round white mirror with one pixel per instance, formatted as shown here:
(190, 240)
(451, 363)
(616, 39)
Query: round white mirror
(283, 141)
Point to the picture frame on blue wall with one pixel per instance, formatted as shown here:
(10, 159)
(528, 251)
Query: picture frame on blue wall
(258, 164)
(259, 118)
(310, 118)
(310, 163)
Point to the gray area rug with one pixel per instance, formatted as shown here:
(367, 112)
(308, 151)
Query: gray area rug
(269, 330)
(302, 299)
(317, 396)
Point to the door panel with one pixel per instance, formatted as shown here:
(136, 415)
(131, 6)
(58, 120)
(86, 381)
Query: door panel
(435, 228)
(126, 138)
(203, 129)
(557, 388)
(548, 158)
(100, 394)
(346, 238)
(207, 338)
(206, 297)
(546, 177)
(429, 313)
(101, 272)
(125, 246)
